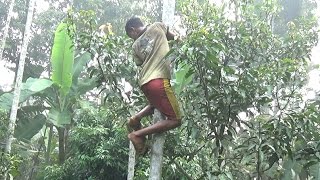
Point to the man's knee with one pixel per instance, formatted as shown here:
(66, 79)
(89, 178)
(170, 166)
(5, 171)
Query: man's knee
(177, 123)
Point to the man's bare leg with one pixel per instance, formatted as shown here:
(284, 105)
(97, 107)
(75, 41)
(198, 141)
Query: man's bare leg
(134, 121)
(159, 127)
(134, 124)
(138, 137)
(146, 111)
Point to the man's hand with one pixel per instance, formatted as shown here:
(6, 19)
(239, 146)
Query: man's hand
(172, 36)
(177, 38)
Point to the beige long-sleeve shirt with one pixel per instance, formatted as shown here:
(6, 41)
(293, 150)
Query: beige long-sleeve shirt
(150, 50)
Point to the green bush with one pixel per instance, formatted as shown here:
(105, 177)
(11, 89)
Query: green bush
(98, 150)
(9, 164)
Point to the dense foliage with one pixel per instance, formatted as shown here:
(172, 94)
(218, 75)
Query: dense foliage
(240, 74)
(97, 149)
(240, 66)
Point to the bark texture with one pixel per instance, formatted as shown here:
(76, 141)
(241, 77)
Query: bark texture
(156, 150)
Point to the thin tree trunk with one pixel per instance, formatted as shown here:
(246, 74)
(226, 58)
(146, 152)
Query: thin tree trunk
(47, 157)
(6, 28)
(159, 139)
(14, 108)
(168, 8)
(61, 131)
(17, 89)
(132, 161)
(156, 150)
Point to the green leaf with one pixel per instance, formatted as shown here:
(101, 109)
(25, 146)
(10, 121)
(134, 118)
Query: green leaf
(80, 62)
(229, 175)
(6, 101)
(183, 77)
(247, 158)
(86, 85)
(29, 88)
(292, 169)
(59, 118)
(315, 171)
(62, 58)
(36, 85)
(27, 128)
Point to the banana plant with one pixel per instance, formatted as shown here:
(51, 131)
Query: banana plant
(67, 86)
(62, 59)
(60, 92)
(62, 95)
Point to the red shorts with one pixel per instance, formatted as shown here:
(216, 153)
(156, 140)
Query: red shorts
(160, 95)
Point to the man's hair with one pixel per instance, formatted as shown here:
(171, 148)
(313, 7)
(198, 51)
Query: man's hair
(133, 22)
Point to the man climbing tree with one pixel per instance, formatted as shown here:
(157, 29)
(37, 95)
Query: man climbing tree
(149, 49)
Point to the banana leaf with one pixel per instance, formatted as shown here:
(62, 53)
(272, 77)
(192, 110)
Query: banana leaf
(29, 88)
(58, 118)
(79, 64)
(62, 58)
(28, 127)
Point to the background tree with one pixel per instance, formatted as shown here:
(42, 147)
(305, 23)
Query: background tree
(117, 12)
(16, 96)
(6, 28)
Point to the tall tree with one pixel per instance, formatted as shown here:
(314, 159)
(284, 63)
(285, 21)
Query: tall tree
(39, 48)
(159, 139)
(18, 83)
(16, 97)
(6, 28)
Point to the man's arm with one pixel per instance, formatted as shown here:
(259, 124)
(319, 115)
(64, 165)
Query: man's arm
(173, 36)
(170, 35)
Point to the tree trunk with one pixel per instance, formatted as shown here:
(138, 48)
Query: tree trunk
(156, 150)
(17, 89)
(132, 161)
(168, 8)
(159, 139)
(47, 156)
(61, 131)
(6, 28)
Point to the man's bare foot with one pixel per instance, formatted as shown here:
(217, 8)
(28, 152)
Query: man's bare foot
(133, 124)
(138, 143)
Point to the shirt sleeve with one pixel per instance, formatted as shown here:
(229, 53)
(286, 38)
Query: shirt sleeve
(137, 60)
(162, 26)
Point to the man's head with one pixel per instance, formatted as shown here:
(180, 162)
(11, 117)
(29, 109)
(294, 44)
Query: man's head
(133, 27)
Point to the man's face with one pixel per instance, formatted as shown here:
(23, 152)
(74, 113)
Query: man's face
(133, 34)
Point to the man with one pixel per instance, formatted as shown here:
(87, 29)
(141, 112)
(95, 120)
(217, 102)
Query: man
(149, 49)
